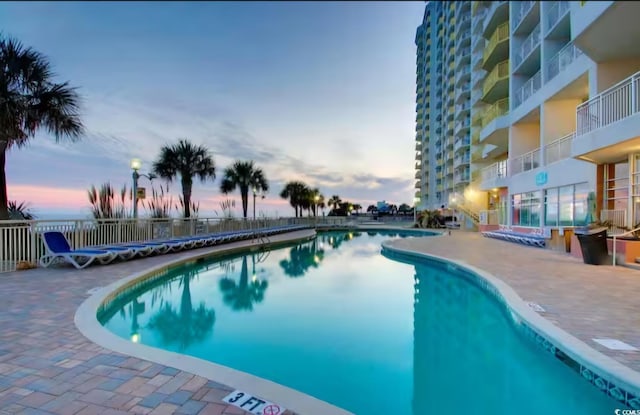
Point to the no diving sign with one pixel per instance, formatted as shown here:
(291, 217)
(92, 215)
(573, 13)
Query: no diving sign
(253, 404)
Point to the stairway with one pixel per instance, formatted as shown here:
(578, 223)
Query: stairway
(470, 213)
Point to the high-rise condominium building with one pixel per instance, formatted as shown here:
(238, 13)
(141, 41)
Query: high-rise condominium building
(525, 108)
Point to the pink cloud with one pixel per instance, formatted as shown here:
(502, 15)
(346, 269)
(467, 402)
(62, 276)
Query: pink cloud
(49, 197)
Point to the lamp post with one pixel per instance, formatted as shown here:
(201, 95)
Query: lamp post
(136, 164)
(254, 203)
(416, 200)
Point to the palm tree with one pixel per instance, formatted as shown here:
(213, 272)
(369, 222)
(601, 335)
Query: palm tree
(301, 258)
(30, 101)
(317, 200)
(243, 295)
(186, 325)
(294, 191)
(244, 175)
(334, 201)
(187, 160)
(20, 211)
(357, 207)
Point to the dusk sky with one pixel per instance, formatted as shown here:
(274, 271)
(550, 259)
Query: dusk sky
(313, 91)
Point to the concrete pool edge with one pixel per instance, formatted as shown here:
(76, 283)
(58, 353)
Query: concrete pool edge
(87, 323)
(617, 377)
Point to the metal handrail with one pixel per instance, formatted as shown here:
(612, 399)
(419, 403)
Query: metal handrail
(614, 242)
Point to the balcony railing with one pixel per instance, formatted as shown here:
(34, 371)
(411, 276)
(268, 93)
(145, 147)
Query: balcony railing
(561, 60)
(498, 109)
(614, 104)
(528, 45)
(555, 11)
(500, 72)
(523, 7)
(458, 161)
(464, 142)
(462, 72)
(417, 185)
(462, 107)
(559, 149)
(525, 162)
(495, 171)
(462, 177)
(528, 89)
(499, 35)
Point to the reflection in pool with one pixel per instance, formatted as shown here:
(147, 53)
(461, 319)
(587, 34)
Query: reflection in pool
(334, 318)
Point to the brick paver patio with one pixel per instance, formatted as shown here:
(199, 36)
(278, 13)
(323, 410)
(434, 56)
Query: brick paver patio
(47, 366)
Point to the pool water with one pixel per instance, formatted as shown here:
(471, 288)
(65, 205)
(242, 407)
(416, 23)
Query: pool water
(336, 319)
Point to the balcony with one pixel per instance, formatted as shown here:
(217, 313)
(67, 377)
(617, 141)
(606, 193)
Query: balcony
(461, 160)
(497, 13)
(495, 171)
(418, 175)
(496, 84)
(497, 46)
(529, 88)
(559, 149)
(615, 104)
(462, 74)
(556, 11)
(418, 146)
(461, 143)
(496, 110)
(528, 46)
(418, 156)
(462, 177)
(525, 162)
(565, 57)
(462, 127)
(522, 10)
(418, 184)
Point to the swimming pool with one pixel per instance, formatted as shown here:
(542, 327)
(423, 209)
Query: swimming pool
(337, 320)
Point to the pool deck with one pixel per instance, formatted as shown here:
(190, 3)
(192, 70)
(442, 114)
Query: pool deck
(47, 366)
(587, 301)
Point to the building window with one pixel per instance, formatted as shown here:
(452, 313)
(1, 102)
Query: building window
(526, 209)
(567, 205)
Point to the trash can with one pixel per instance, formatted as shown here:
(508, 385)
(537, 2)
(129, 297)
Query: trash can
(593, 244)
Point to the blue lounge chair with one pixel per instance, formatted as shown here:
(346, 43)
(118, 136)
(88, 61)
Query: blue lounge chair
(58, 248)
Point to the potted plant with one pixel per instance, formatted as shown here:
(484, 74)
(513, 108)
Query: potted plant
(593, 236)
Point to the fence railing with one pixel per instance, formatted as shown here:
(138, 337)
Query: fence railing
(499, 35)
(614, 104)
(562, 59)
(498, 73)
(529, 88)
(528, 45)
(496, 110)
(559, 149)
(618, 218)
(556, 10)
(495, 171)
(22, 240)
(525, 162)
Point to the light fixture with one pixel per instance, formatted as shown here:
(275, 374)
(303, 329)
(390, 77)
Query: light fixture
(136, 164)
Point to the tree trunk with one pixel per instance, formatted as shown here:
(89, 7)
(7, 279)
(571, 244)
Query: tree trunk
(244, 195)
(4, 200)
(186, 197)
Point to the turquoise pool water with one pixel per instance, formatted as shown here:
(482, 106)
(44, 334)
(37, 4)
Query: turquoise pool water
(337, 320)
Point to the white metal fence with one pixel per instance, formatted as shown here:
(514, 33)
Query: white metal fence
(22, 240)
(527, 46)
(614, 104)
(618, 218)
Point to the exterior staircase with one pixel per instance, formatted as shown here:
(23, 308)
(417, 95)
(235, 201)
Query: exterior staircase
(469, 213)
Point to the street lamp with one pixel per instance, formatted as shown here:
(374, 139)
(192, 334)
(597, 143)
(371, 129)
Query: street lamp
(416, 200)
(136, 164)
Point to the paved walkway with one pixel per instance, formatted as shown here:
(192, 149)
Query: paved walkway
(48, 367)
(585, 300)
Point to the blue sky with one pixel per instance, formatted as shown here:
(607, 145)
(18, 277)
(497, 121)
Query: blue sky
(323, 92)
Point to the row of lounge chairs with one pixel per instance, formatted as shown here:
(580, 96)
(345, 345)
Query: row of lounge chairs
(521, 238)
(59, 249)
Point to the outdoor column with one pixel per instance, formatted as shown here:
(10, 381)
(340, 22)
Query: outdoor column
(630, 204)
